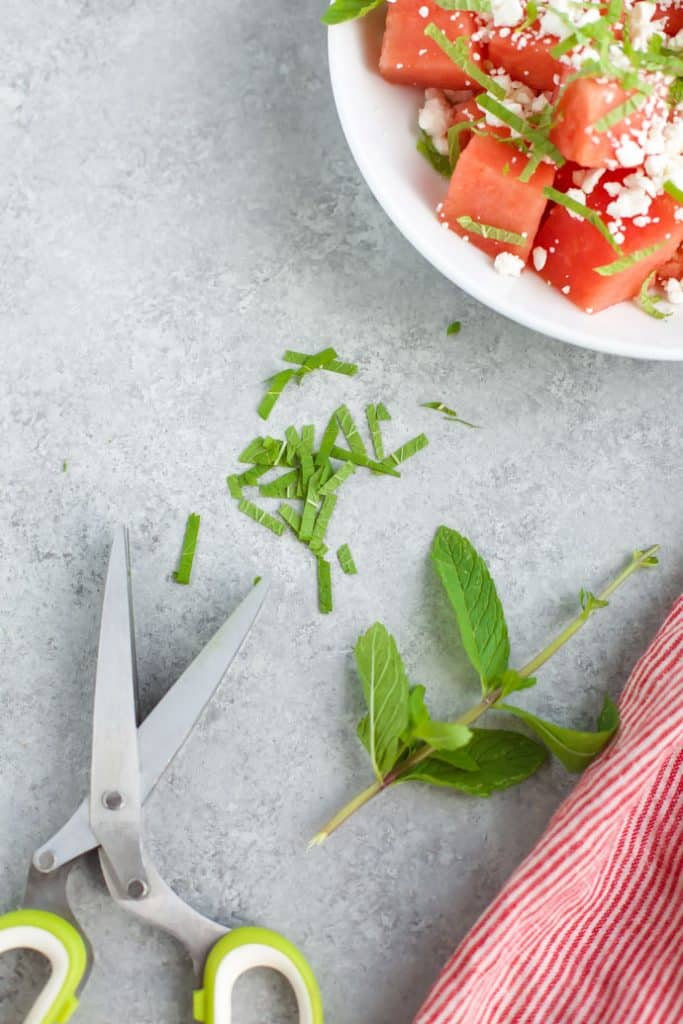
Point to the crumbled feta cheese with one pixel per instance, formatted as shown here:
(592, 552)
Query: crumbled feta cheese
(507, 12)
(629, 153)
(540, 257)
(643, 25)
(434, 119)
(423, 11)
(509, 265)
(674, 290)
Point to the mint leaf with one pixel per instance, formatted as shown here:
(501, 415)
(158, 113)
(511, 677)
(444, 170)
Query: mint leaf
(575, 749)
(511, 681)
(184, 571)
(608, 719)
(477, 607)
(589, 602)
(348, 10)
(417, 709)
(502, 758)
(385, 685)
(443, 735)
(428, 150)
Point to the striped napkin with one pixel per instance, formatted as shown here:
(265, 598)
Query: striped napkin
(589, 929)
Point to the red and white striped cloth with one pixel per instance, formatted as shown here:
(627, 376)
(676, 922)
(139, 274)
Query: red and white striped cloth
(589, 929)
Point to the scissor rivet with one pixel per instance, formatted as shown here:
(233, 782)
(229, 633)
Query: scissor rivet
(113, 800)
(46, 861)
(137, 889)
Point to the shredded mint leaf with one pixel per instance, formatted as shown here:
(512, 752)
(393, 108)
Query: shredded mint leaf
(346, 561)
(625, 262)
(383, 413)
(449, 414)
(276, 385)
(385, 686)
(406, 451)
(674, 191)
(250, 477)
(338, 478)
(348, 427)
(259, 515)
(585, 212)
(323, 519)
(620, 112)
(285, 486)
(573, 748)
(503, 758)
(362, 460)
(459, 52)
(348, 10)
(648, 301)
(184, 570)
(324, 586)
(291, 517)
(475, 6)
(454, 328)
(472, 593)
(428, 150)
(235, 487)
(489, 231)
(375, 431)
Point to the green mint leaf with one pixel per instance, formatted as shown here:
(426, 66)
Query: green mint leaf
(443, 735)
(646, 559)
(348, 10)
(345, 557)
(502, 758)
(454, 328)
(608, 719)
(478, 610)
(324, 586)
(184, 570)
(385, 686)
(589, 602)
(428, 150)
(575, 749)
(417, 708)
(511, 681)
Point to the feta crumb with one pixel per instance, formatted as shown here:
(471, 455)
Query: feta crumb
(540, 257)
(507, 12)
(674, 290)
(423, 11)
(509, 265)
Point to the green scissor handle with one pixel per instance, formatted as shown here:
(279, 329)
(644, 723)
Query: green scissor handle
(241, 950)
(58, 940)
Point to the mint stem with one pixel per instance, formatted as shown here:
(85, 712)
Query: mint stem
(640, 560)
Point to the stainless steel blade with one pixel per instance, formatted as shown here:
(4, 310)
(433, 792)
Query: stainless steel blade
(115, 796)
(168, 725)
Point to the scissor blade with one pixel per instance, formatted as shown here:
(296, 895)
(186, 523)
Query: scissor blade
(168, 725)
(115, 800)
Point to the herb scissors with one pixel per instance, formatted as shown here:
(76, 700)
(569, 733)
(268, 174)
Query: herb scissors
(127, 762)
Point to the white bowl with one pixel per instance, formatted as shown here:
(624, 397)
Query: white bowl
(379, 121)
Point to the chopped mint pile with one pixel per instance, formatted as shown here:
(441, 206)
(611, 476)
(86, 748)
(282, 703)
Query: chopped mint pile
(306, 479)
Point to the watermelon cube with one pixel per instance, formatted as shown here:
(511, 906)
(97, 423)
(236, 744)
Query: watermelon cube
(582, 104)
(526, 57)
(485, 187)
(572, 248)
(409, 57)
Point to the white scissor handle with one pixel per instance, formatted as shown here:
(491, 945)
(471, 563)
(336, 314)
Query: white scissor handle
(62, 945)
(240, 951)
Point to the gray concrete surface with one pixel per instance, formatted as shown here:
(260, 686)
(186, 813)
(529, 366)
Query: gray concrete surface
(178, 206)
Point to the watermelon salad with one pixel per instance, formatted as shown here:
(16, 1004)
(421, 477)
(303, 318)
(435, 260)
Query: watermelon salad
(559, 126)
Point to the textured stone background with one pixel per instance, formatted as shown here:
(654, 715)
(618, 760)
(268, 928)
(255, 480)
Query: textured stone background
(178, 206)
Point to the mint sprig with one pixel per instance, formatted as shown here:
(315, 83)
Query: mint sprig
(406, 744)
